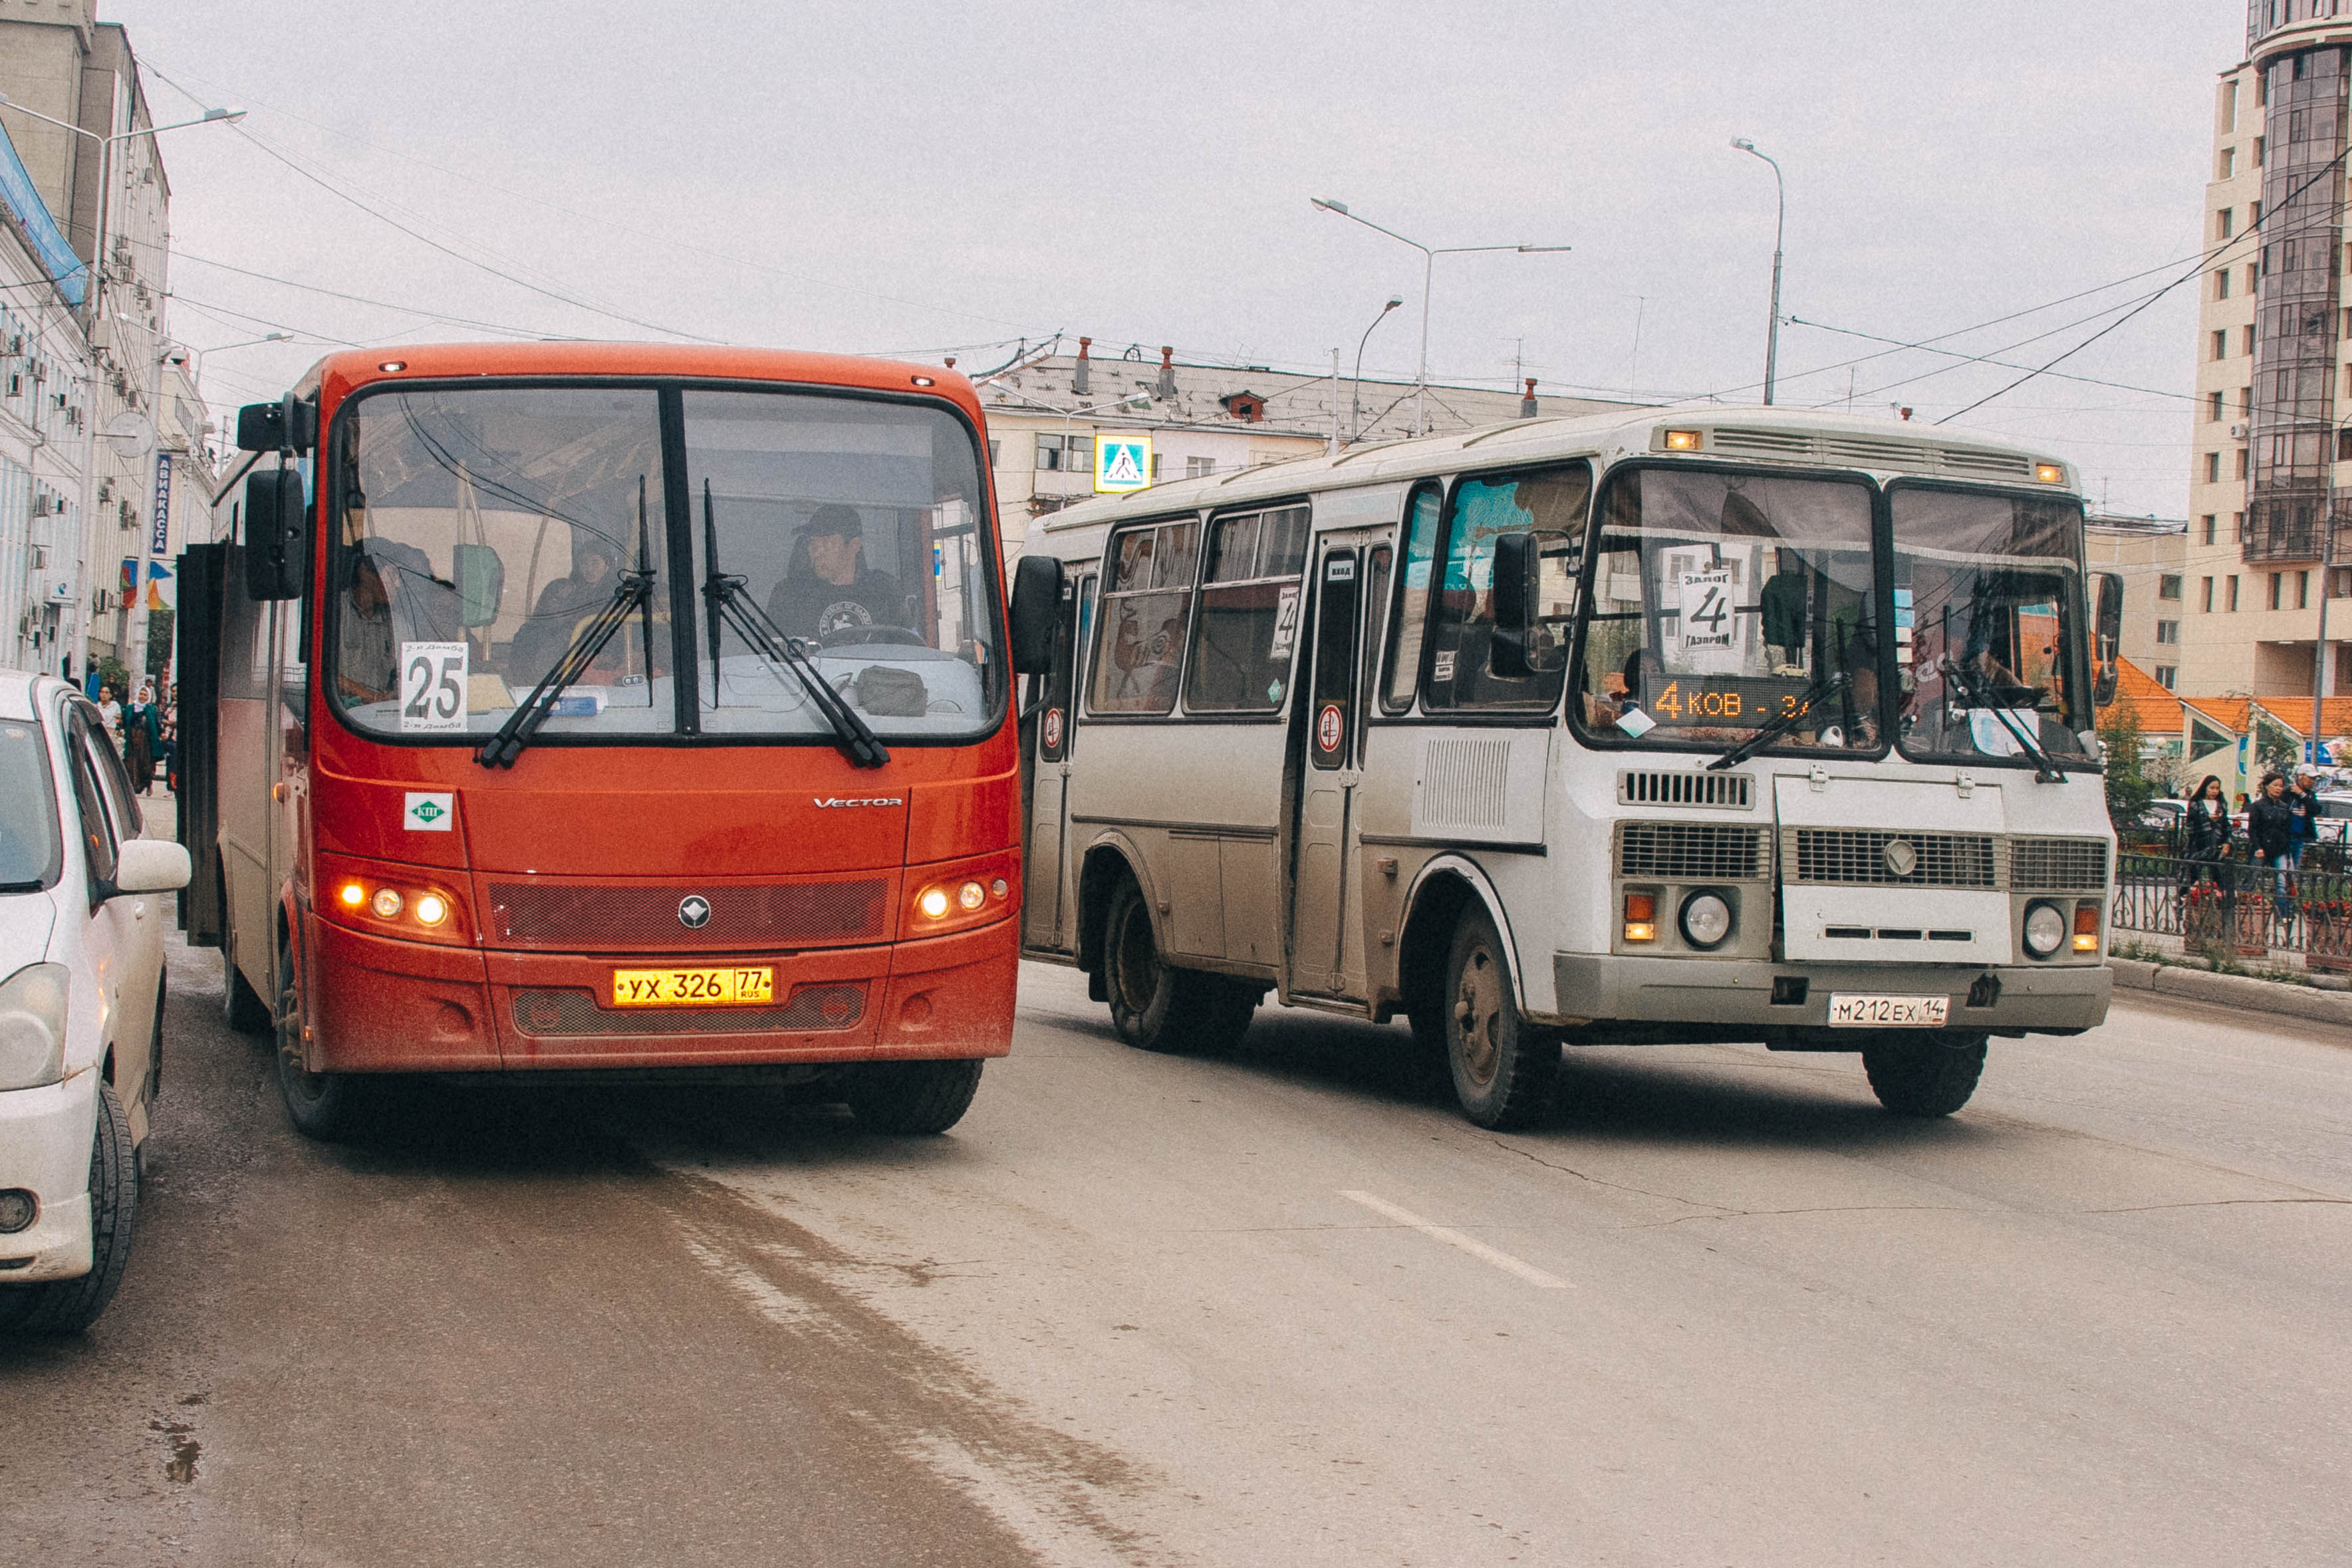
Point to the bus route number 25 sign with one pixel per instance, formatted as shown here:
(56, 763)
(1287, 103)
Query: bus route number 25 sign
(432, 686)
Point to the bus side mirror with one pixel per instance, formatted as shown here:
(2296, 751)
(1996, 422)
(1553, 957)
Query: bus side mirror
(274, 548)
(1037, 606)
(1514, 592)
(289, 424)
(481, 584)
(2110, 639)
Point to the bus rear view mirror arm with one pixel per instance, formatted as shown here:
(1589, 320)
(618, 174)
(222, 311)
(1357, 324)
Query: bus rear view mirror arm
(1036, 605)
(1514, 595)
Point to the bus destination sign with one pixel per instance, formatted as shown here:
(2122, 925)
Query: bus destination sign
(1720, 700)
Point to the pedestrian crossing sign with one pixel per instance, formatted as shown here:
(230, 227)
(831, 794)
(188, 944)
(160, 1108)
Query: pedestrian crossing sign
(1122, 463)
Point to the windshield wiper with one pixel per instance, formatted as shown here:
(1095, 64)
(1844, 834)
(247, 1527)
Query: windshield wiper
(1769, 732)
(2045, 771)
(633, 590)
(730, 606)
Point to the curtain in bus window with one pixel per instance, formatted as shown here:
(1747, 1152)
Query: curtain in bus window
(1147, 600)
(1413, 599)
(1247, 635)
(855, 527)
(1551, 504)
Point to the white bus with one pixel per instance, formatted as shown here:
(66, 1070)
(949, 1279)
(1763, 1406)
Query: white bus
(1721, 724)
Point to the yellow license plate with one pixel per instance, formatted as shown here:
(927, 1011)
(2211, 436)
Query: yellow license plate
(691, 987)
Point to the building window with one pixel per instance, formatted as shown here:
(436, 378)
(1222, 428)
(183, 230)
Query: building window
(995, 453)
(2229, 107)
(2220, 342)
(2303, 590)
(2226, 167)
(2224, 226)
(2168, 586)
(1199, 468)
(2168, 631)
(2241, 462)
(2339, 582)
(2221, 283)
(1075, 453)
(2215, 413)
(2237, 528)
(2246, 398)
(2254, 215)
(2274, 577)
(2262, 148)
(2206, 606)
(2212, 467)
(2166, 674)
(2250, 338)
(2233, 593)
(2207, 523)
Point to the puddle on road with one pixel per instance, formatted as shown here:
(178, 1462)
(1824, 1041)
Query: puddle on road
(180, 1466)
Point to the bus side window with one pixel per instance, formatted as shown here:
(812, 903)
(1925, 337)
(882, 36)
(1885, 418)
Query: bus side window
(1375, 618)
(1248, 632)
(1147, 603)
(1550, 503)
(1412, 600)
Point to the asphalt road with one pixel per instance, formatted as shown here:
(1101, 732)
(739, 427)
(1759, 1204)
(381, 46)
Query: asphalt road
(1285, 1307)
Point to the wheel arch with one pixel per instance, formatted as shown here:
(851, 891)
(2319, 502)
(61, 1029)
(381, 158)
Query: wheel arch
(1106, 860)
(1441, 890)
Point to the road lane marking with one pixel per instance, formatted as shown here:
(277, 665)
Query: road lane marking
(1455, 1239)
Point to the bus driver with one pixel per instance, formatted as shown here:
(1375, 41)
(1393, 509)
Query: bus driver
(827, 589)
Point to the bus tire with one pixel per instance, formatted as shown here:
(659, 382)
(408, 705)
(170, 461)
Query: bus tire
(918, 1098)
(1156, 1006)
(1924, 1074)
(69, 1306)
(327, 1106)
(242, 1008)
(1503, 1071)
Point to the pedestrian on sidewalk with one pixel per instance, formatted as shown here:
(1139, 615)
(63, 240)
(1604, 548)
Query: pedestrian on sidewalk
(143, 733)
(172, 740)
(109, 715)
(2205, 836)
(2302, 799)
(2270, 824)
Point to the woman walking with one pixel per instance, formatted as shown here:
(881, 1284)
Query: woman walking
(2205, 835)
(142, 732)
(2270, 824)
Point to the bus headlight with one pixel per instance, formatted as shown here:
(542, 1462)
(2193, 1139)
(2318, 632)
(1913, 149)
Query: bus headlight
(386, 903)
(432, 908)
(2045, 930)
(1705, 919)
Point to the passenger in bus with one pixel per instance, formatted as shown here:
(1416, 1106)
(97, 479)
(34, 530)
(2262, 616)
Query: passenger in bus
(827, 591)
(366, 662)
(587, 588)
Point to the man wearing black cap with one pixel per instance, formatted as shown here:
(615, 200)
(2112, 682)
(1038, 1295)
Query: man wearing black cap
(827, 588)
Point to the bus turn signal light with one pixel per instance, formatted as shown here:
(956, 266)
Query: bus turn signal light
(2086, 928)
(2049, 474)
(1641, 917)
(1682, 440)
(963, 900)
(353, 894)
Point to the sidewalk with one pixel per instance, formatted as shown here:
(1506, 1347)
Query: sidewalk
(2242, 991)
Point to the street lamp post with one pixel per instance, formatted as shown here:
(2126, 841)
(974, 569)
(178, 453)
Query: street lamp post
(1356, 388)
(94, 307)
(1429, 255)
(1779, 226)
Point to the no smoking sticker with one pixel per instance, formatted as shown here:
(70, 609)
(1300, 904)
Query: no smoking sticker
(1328, 725)
(1053, 728)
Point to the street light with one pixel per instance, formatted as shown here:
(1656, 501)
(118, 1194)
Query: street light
(1356, 388)
(197, 357)
(1429, 255)
(1779, 223)
(94, 302)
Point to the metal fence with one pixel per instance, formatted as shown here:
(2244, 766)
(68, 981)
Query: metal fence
(2232, 904)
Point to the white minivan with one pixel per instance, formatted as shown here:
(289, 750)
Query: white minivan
(82, 912)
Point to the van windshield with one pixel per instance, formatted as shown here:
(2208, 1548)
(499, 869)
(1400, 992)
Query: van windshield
(1725, 601)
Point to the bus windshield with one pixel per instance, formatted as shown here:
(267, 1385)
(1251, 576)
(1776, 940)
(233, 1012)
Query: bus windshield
(479, 532)
(1722, 602)
(1986, 590)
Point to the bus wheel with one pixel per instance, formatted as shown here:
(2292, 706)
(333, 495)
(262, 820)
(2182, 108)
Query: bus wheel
(323, 1105)
(247, 1012)
(911, 1097)
(1157, 1006)
(69, 1306)
(1925, 1075)
(1503, 1071)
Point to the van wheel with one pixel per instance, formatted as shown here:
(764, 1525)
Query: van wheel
(911, 1097)
(1925, 1074)
(324, 1105)
(1503, 1070)
(69, 1306)
(1157, 1006)
(247, 1012)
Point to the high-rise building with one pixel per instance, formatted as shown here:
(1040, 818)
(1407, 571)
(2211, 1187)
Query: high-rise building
(2270, 512)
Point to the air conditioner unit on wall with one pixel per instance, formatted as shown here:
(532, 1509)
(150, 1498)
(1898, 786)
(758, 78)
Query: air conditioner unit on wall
(2238, 432)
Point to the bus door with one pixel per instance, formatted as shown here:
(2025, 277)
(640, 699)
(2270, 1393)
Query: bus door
(1042, 903)
(1327, 949)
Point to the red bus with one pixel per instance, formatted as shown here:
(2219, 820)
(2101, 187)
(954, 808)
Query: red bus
(568, 709)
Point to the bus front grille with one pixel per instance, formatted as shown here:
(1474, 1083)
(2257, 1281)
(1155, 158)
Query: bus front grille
(1866, 857)
(1686, 787)
(2058, 865)
(553, 1015)
(574, 916)
(1689, 852)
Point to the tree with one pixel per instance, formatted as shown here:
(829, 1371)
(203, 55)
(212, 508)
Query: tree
(2128, 787)
(2276, 745)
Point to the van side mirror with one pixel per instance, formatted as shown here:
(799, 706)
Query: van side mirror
(2107, 650)
(1036, 605)
(481, 584)
(275, 548)
(289, 424)
(1514, 595)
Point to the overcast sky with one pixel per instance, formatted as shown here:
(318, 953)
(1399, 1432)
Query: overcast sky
(927, 179)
